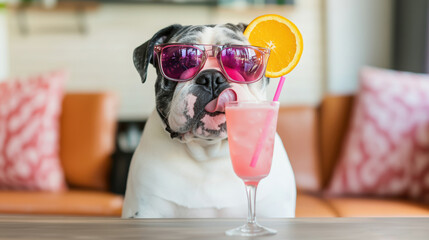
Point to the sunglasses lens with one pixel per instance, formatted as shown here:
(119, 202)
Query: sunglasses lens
(181, 62)
(243, 64)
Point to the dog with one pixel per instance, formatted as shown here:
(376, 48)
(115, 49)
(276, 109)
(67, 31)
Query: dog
(181, 167)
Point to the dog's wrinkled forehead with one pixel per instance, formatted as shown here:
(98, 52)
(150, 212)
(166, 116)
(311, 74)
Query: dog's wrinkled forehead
(225, 34)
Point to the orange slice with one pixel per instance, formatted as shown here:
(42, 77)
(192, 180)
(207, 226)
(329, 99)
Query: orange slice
(282, 37)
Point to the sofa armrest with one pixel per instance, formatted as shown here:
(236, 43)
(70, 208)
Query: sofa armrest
(298, 129)
(335, 113)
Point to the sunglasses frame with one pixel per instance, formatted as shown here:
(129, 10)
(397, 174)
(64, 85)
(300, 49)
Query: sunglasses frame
(215, 52)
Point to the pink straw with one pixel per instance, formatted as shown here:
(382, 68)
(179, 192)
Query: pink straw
(279, 89)
(268, 120)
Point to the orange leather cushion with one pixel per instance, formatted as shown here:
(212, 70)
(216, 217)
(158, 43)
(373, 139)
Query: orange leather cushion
(297, 127)
(368, 207)
(335, 114)
(88, 203)
(88, 125)
(312, 206)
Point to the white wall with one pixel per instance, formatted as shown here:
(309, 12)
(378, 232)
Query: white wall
(358, 33)
(102, 60)
(3, 45)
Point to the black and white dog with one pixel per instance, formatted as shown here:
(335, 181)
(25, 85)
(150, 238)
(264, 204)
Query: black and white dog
(181, 167)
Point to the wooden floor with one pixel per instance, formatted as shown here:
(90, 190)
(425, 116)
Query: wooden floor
(42, 227)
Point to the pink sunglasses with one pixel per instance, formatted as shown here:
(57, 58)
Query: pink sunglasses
(239, 63)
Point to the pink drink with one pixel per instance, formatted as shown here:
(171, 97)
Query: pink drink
(245, 124)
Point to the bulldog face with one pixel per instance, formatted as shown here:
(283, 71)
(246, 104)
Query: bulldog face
(194, 109)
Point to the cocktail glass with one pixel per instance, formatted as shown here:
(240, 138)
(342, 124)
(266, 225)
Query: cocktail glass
(251, 128)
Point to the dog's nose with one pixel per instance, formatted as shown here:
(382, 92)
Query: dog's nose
(212, 79)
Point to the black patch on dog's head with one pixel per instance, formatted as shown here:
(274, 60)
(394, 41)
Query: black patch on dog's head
(236, 27)
(188, 34)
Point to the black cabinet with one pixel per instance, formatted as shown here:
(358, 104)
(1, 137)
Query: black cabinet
(127, 139)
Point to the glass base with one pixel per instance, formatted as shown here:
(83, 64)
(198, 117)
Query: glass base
(250, 230)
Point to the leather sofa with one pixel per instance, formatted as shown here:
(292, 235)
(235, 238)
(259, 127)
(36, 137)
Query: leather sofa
(87, 133)
(313, 138)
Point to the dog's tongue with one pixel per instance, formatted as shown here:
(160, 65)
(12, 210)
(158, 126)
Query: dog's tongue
(218, 104)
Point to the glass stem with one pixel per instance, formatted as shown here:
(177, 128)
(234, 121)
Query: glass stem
(251, 200)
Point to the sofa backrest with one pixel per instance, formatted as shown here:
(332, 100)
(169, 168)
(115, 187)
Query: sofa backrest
(87, 137)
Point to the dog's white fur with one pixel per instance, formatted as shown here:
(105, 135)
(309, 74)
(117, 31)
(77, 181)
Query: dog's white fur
(165, 181)
(194, 177)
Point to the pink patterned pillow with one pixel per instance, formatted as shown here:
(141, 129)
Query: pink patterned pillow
(387, 148)
(29, 133)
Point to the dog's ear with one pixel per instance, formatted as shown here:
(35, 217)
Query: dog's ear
(143, 54)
